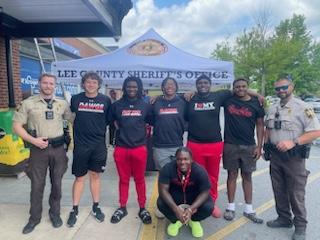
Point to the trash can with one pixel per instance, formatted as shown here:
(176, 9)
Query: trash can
(13, 154)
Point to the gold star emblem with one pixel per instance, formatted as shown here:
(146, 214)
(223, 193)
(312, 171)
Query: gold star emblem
(309, 112)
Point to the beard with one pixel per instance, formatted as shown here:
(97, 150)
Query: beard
(284, 95)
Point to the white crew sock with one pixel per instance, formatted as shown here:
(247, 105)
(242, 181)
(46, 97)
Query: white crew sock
(231, 206)
(248, 208)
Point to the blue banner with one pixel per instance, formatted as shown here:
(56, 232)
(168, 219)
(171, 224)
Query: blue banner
(30, 72)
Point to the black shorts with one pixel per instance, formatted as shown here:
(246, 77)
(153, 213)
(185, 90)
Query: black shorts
(91, 158)
(239, 156)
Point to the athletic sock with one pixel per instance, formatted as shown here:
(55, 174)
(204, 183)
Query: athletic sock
(231, 206)
(248, 208)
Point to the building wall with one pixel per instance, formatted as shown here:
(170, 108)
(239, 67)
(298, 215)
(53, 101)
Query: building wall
(88, 47)
(4, 96)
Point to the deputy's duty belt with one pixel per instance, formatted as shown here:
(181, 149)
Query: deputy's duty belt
(302, 151)
(56, 142)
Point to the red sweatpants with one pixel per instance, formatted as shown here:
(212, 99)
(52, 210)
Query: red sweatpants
(131, 162)
(208, 155)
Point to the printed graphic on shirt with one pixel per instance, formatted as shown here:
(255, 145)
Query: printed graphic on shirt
(91, 107)
(127, 113)
(204, 106)
(242, 111)
(168, 111)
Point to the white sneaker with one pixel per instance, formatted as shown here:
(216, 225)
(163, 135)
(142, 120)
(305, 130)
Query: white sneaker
(159, 214)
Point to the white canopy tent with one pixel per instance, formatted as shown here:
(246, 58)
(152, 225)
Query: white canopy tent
(149, 57)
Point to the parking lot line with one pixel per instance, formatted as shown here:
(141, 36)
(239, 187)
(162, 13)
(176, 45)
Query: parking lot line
(223, 232)
(156, 230)
(149, 232)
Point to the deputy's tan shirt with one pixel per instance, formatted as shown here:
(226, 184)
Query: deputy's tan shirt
(296, 117)
(33, 113)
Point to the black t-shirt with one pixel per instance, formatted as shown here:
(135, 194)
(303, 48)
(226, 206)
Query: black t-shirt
(203, 116)
(169, 122)
(89, 126)
(240, 120)
(199, 182)
(131, 118)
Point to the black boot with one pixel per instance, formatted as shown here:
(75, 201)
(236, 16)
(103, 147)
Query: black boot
(280, 223)
(55, 220)
(299, 234)
(29, 227)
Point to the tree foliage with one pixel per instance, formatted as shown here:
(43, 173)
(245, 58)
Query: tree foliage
(262, 55)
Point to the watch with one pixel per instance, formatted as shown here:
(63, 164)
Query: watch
(296, 141)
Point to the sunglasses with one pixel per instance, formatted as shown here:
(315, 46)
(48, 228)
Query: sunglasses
(284, 88)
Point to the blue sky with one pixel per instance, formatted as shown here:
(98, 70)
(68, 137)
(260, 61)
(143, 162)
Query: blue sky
(168, 3)
(196, 26)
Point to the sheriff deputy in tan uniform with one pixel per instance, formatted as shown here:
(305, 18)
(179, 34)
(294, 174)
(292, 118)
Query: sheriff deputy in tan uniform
(291, 127)
(43, 115)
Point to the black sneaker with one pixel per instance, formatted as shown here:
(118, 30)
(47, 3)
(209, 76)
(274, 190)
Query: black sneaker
(73, 216)
(98, 214)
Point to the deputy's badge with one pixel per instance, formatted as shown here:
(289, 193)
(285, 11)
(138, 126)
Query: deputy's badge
(309, 112)
(49, 115)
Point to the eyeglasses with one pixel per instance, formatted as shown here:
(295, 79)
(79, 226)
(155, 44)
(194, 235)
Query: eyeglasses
(284, 88)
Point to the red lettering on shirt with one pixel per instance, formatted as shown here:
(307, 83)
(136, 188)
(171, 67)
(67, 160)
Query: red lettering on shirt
(242, 111)
(131, 113)
(168, 111)
(91, 107)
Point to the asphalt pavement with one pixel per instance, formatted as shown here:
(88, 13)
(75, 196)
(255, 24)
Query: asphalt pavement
(14, 207)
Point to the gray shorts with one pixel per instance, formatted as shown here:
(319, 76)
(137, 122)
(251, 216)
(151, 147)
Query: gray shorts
(239, 156)
(162, 156)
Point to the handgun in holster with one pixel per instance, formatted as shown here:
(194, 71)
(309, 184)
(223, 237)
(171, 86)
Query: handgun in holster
(267, 149)
(66, 135)
(271, 150)
(303, 150)
(33, 133)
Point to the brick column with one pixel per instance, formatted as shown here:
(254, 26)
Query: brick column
(3, 73)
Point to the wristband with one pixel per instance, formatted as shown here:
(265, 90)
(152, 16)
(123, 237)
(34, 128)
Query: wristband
(296, 141)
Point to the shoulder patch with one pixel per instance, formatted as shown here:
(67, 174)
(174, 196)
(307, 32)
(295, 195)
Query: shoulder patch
(309, 113)
(18, 107)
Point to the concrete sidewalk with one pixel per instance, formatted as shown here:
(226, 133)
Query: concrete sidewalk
(14, 207)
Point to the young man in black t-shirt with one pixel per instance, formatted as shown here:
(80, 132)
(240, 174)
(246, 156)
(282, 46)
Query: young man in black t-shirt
(131, 114)
(89, 155)
(168, 123)
(204, 132)
(184, 193)
(242, 114)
